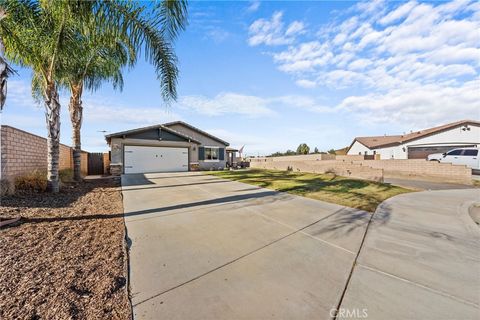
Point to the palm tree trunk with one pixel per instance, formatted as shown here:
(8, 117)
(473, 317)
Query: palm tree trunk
(4, 70)
(76, 111)
(52, 115)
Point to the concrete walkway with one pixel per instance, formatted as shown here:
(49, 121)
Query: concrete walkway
(207, 248)
(420, 259)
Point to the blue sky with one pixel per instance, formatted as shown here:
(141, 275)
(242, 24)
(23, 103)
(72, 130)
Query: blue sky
(271, 75)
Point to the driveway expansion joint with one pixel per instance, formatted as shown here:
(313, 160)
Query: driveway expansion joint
(443, 293)
(233, 261)
(253, 210)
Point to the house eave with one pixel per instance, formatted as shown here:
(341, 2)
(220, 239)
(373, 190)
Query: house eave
(196, 129)
(124, 134)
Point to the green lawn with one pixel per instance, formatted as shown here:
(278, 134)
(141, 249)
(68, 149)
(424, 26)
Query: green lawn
(361, 194)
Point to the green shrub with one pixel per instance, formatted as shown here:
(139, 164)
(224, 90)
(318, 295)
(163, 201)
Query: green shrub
(33, 181)
(66, 175)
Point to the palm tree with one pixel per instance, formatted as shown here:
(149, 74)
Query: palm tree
(46, 36)
(126, 28)
(39, 35)
(101, 56)
(5, 70)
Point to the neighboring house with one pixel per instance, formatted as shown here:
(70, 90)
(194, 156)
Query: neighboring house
(341, 152)
(169, 147)
(419, 144)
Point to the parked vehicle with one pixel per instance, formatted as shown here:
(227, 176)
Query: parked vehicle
(435, 157)
(461, 156)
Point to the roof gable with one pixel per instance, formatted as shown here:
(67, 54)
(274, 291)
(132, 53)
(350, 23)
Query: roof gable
(189, 126)
(154, 132)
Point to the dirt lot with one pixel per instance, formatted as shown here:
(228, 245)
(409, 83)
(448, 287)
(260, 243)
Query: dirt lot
(67, 259)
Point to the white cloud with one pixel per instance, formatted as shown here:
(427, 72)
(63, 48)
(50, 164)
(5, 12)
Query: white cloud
(359, 64)
(303, 57)
(423, 106)
(98, 111)
(19, 94)
(25, 122)
(249, 105)
(398, 13)
(296, 27)
(303, 102)
(227, 103)
(254, 5)
(273, 32)
(306, 83)
(238, 139)
(427, 43)
(414, 62)
(217, 34)
(343, 78)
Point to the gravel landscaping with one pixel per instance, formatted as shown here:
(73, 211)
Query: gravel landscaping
(67, 258)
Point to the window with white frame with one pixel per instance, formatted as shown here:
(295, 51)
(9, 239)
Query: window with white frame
(211, 154)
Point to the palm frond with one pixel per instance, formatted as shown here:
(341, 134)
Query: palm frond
(172, 15)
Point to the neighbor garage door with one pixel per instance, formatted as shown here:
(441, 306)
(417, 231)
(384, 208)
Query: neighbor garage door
(423, 152)
(140, 159)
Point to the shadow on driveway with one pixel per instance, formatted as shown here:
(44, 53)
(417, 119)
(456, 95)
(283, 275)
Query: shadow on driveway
(228, 199)
(175, 185)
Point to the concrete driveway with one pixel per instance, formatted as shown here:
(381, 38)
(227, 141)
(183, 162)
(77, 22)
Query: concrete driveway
(207, 248)
(420, 259)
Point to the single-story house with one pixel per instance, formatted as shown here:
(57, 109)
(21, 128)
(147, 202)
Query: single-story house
(169, 147)
(419, 144)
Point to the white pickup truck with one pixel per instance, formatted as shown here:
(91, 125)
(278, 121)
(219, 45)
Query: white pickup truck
(466, 156)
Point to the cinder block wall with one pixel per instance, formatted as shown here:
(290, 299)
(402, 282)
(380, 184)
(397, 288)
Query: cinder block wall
(356, 167)
(340, 168)
(66, 157)
(421, 169)
(23, 152)
(350, 157)
(307, 157)
(303, 157)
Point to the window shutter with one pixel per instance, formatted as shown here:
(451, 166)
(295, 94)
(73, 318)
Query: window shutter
(221, 154)
(201, 153)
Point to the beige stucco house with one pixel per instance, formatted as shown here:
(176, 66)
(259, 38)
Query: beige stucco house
(169, 147)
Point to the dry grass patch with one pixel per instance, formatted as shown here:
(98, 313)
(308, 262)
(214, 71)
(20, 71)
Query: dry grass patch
(67, 259)
(361, 194)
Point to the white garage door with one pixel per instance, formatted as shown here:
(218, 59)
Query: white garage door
(155, 159)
